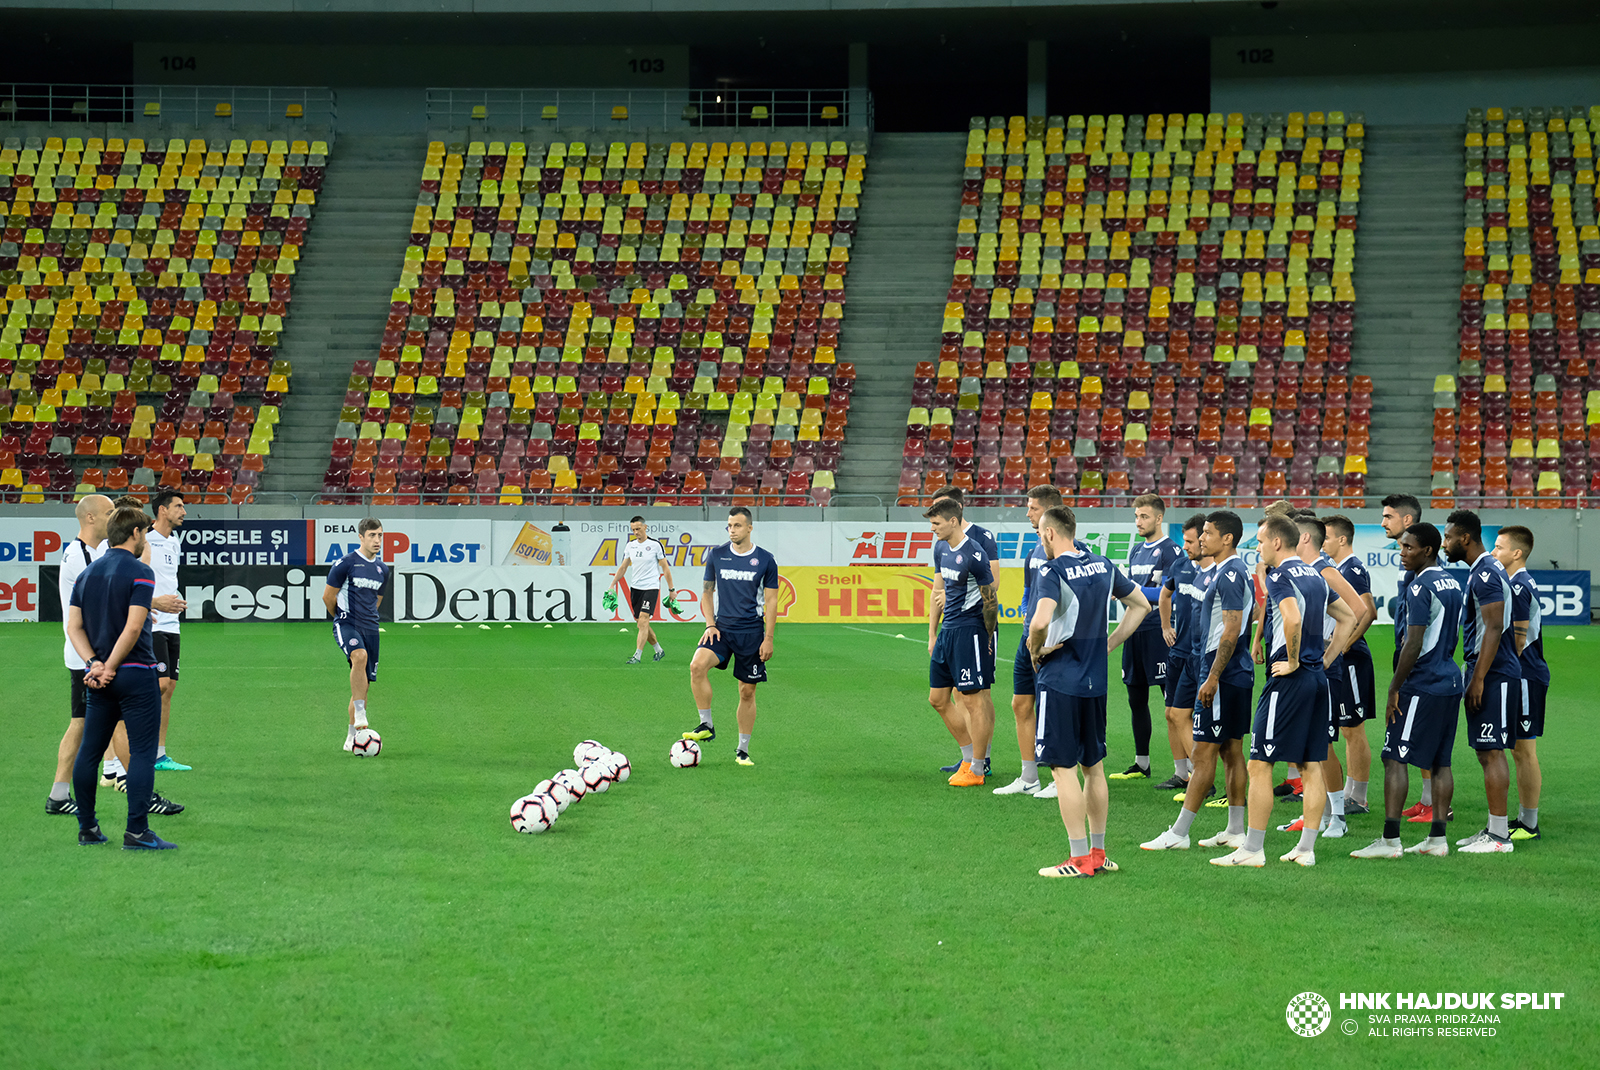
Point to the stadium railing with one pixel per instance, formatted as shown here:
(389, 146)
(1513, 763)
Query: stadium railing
(752, 113)
(292, 109)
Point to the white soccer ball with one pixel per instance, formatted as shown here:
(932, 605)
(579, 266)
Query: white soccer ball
(588, 752)
(621, 768)
(534, 813)
(597, 777)
(556, 790)
(572, 780)
(367, 743)
(684, 753)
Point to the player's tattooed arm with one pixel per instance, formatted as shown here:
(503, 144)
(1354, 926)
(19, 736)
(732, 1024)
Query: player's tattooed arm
(1519, 632)
(991, 607)
(1289, 614)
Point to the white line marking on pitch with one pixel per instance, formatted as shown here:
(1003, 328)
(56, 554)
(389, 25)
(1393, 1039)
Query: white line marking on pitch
(906, 638)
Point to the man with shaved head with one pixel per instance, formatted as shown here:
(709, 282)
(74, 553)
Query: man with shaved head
(92, 512)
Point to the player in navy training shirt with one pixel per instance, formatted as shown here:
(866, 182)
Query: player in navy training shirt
(1356, 686)
(1291, 721)
(740, 603)
(1401, 511)
(1040, 498)
(1220, 715)
(1512, 546)
(1424, 701)
(961, 653)
(352, 597)
(1179, 612)
(108, 623)
(1067, 642)
(985, 539)
(1313, 534)
(1494, 675)
(1144, 657)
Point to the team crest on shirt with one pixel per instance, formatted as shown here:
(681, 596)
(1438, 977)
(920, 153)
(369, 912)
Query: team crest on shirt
(161, 666)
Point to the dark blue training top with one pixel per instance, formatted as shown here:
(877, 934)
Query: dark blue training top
(1358, 577)
(965, 569)
(1183, 581)
(1294, 579)
(1433, 601)
(1082, 586)
(743, 581)
(360, 584)
(1148, 563)
(1226, 586)
(104, 593)
(1487, 586)
(1525, 606)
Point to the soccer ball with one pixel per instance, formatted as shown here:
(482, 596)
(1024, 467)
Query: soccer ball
(684, 753)
(367, 743)
(572, 780)
(621, 768)
(534, 813)
(597, 776)
(588, 752)
(556, 790)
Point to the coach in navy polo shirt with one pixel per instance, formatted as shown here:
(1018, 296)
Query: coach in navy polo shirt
(108, 623)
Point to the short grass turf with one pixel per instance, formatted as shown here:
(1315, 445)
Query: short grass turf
(836, 905)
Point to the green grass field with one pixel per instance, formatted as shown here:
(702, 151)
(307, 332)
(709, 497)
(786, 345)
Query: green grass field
(836, 905)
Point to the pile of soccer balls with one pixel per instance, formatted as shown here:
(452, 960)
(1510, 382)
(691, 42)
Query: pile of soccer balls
(598, 768)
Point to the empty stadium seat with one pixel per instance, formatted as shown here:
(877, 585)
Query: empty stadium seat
(1125, 283)
(154, 296)
(596, 302)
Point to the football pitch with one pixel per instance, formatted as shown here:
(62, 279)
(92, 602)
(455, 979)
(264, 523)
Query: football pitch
(835, 905)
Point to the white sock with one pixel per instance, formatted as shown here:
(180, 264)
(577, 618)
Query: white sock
(744, 742)
(59, 791)
(1427, 792)
(1183, 767)
(114, 768)
(658, 647)
(1336, 804)
(161, 751)
(1498, 826)
(350, 732)
(1142, 761)
(705, 718)
(1030, 772)
(1236, 820)
(361, 713)
(966, 754)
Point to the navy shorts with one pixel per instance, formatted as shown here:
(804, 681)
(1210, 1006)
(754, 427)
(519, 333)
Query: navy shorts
(743, 647)
(1023, 679)
(1489, 727)
(350, 639)
(1071, 729)
(1424, 732)
(1530, 725)
(1182, 682)
(1354, 693)
(963, 658)
(1291, 723)
(1227, 718)
(1144, 659)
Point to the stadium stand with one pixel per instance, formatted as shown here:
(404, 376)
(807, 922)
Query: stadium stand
(1512, 426)
(144, 293)
(627, 323)
(1158, 303)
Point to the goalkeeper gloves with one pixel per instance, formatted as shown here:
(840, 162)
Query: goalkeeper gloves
(608, 601)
